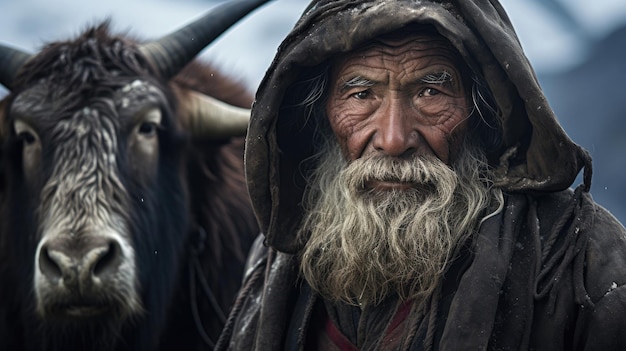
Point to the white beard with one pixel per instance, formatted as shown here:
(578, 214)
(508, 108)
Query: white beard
(362, 244)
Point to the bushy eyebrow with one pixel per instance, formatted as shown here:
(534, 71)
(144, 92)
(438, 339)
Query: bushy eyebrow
(439, 78)
(443, 78)
(357, 82)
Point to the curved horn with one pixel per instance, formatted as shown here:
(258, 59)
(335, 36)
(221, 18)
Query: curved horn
(172, 52)
(11, 60)
(210, 118)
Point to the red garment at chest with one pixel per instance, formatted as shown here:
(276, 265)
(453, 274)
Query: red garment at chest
(324, 334)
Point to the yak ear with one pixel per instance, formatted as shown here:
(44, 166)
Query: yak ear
(208, 118)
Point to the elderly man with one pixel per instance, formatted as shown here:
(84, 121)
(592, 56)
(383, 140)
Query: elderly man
(413, 187)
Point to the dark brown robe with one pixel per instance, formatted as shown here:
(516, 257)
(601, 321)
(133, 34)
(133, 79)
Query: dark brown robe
(547, 273)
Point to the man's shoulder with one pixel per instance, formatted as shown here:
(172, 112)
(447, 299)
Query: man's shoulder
(605, 244)
(260, 256)
(605, 253)
(257, 256)
(562, 205)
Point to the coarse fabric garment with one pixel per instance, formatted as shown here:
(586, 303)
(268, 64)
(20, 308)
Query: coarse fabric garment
(547, 272)
(527, 287)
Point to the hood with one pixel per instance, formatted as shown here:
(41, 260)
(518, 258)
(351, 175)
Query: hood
(535, 154)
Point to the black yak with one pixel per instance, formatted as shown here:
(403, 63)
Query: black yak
(124, 217)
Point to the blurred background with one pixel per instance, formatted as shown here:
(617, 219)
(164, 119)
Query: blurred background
(577, 47)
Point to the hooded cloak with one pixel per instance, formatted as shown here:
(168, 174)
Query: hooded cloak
(535, 155)
(545, 273)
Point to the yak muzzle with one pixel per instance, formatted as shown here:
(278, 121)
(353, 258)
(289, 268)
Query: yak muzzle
(81, 266)
(79, 277)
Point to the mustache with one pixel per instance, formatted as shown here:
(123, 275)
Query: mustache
(420, 171)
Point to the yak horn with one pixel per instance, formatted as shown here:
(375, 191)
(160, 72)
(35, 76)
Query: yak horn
(209, 118)
(11, 61)
(174, 51)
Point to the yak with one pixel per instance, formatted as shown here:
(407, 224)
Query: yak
(124, 215)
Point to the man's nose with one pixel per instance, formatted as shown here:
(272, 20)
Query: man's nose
(395, 134)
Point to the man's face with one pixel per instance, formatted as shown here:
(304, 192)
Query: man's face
(400, 98)
(394, 192)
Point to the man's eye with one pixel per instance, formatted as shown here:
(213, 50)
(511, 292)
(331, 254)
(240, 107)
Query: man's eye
(429, 92)
(362, 94)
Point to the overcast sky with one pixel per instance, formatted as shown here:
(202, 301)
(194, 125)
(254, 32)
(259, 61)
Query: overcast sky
(551, 42)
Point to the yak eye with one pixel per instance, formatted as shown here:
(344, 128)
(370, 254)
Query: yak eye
(24, 132)
(27, 137)
(148, 128)
(150, 122)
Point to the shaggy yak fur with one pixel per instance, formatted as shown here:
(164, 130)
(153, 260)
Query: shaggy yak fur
(190, 224)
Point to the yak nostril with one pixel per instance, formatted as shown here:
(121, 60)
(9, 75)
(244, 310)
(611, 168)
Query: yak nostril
(80, 264)
(108, 260)
(50, 265)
